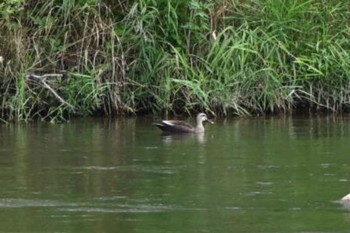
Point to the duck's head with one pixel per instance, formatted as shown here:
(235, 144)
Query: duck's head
(202, 117)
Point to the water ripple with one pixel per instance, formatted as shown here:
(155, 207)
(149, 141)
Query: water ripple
(21, 203)
(91, 207)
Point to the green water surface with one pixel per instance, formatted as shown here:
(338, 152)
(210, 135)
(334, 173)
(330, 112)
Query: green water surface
(122, 175)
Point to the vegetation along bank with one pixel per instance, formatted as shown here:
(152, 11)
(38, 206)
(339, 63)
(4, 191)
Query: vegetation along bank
(239, 57)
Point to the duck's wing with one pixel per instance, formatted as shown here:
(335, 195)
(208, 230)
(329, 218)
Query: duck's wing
(175, 126)
(175, 123)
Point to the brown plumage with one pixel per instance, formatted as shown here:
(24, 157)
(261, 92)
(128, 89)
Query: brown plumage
(175, 126)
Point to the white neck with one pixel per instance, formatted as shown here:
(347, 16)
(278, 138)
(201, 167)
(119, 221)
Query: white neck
(200, 127)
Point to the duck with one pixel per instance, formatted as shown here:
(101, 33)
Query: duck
(176, 126)
(345, 201)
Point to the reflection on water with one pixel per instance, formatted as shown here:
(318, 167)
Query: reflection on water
(241, 175)
(170, 138)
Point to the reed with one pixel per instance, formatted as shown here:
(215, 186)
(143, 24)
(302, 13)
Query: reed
(229, 57)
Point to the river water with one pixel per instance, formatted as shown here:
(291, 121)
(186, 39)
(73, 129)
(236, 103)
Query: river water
(280, 174)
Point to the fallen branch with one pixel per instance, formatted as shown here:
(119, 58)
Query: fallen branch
(42, 79)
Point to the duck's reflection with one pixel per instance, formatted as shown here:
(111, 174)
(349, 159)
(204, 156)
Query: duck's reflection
(170, 138)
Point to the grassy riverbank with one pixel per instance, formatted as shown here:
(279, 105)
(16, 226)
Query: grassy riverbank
(120, 57)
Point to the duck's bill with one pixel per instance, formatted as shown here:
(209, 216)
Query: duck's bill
(210, 121)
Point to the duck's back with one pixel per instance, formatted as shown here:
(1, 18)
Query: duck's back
(175, 126)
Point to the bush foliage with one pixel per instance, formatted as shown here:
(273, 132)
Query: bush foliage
(74, 57)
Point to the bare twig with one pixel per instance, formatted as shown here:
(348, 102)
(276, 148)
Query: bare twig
(44, 76)
(42, 80)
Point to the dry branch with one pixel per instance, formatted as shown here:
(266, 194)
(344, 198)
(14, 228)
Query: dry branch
(42, 79)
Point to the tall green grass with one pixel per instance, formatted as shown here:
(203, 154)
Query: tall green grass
(227, 57)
